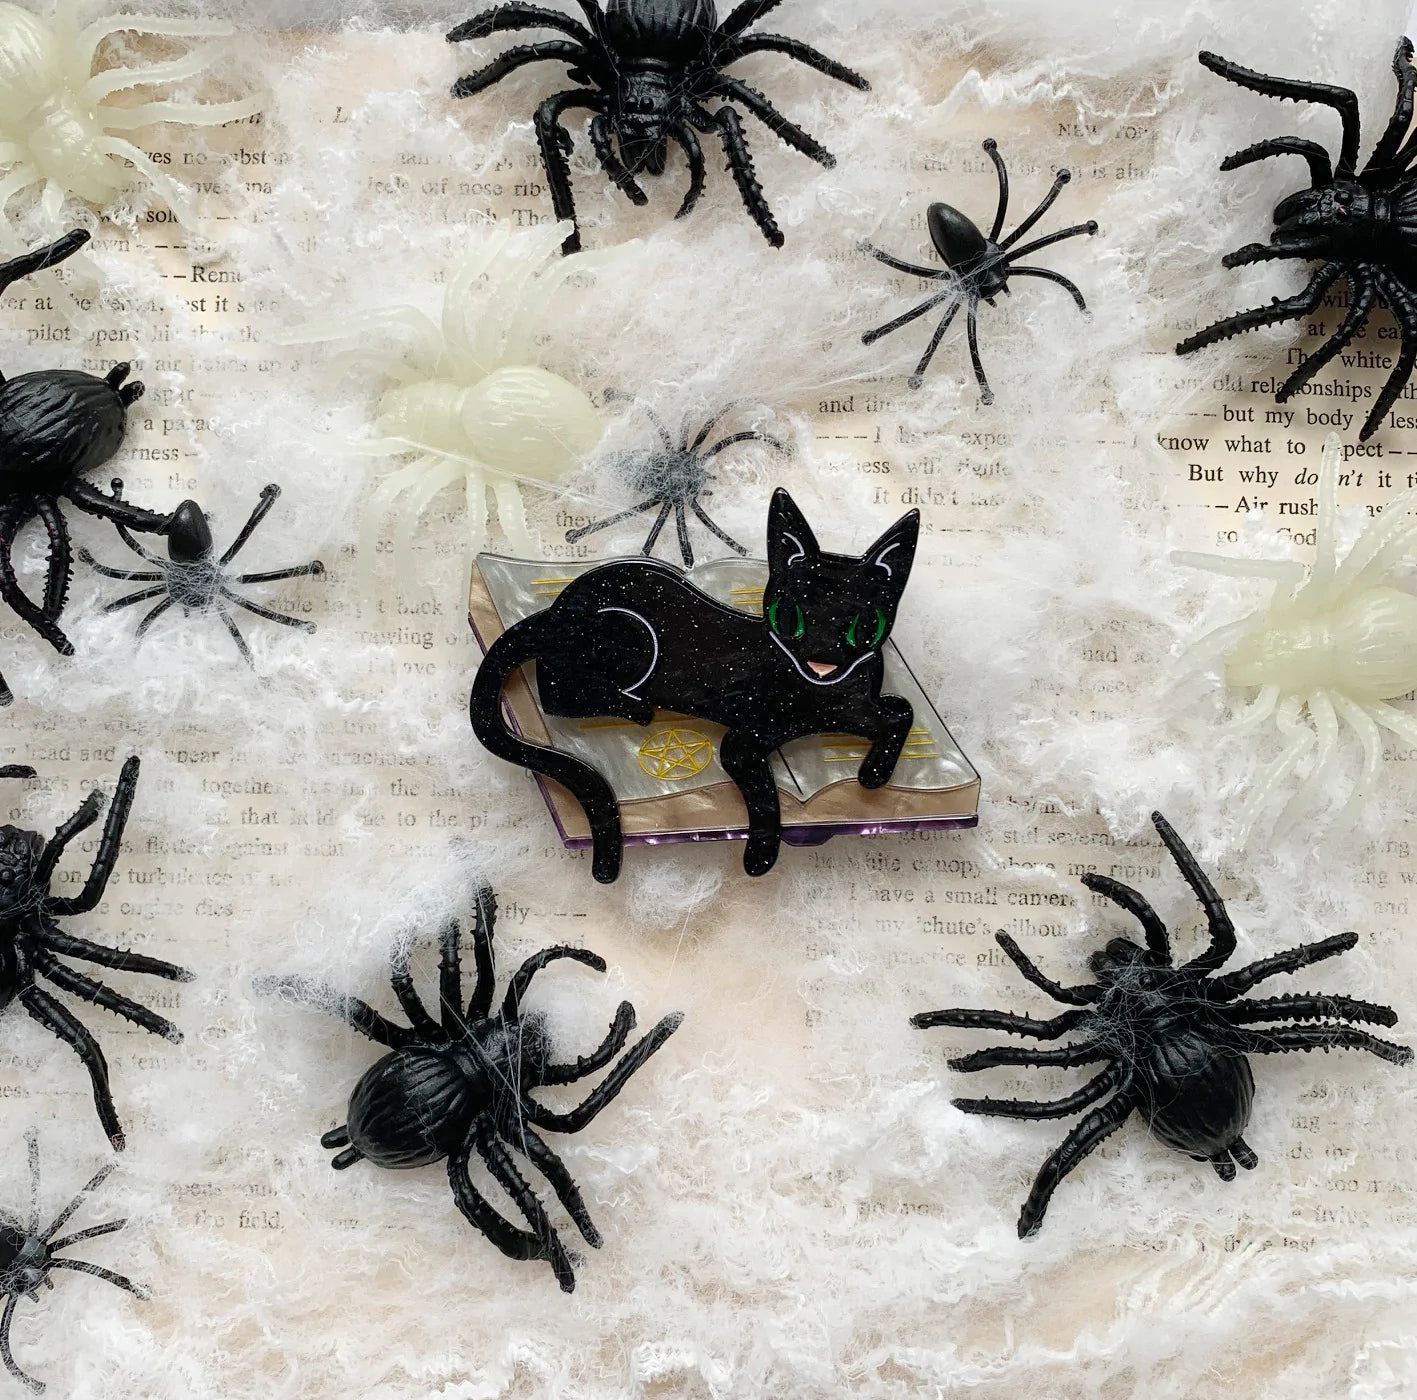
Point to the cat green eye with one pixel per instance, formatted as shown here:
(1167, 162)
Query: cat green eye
(880, 630)
(772, 620)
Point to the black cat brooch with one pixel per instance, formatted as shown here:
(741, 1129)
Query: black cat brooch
(632, 637)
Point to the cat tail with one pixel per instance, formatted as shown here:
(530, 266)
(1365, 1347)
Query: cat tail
(521, 643)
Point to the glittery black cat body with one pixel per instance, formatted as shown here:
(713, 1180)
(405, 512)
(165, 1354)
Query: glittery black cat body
(634, 637)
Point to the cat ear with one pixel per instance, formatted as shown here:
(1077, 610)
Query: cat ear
(894, 553)
(790, 538)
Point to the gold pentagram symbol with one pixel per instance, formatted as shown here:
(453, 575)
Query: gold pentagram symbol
(674, 754)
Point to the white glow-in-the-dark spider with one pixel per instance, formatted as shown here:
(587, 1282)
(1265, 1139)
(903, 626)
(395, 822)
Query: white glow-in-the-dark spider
(61, 134)
(467, 403)
(1336, 642)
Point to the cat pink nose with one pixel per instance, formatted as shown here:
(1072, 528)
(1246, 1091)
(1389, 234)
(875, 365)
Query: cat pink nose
(821, 668)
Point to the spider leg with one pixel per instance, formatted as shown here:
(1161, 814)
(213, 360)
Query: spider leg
(1051, 276)
(1305, 1007)
(11, 1302)
(518, 16)
(107, 854)
(424, 1026)
(92, 501)
(1391, 151)
(80, 986)
(918, 378)
(1062, 178)
(450, 981)
(263, 506)
(608, 1088)
(1222, 930)
(70, 827)
(598, 1058)
(1274, 252)
(967, 1018)
(1320, 165)
(1237, 983)
(1001, 209)
(1364, 294)
(1089, 228)
(356, 1014)
(132, 599)
(1090, 1092)
(605, 153)
(225, 614)
(511, 513)
(336, 1137)
(929, 304)
(548, 1244)
(1101, 1123)
(313, 569)
(1288, 309)
(653, 535)
(127, 575)
(709, 524)
(794, 49)
(60, 1022)
(567, 1192)
(1306, 1038)
(583, 530)
(521, 978)
(94, 1182)
(558, 50)
(37, 259)
(141, 630)
(1361, 723)
(681, 522)
(741, 164)
(484, 923)
(107, 1275)
(735, 438)
(343, 1161)
(934, 273)
(93, 1232)
(10, 590)
(1071, 996)
(555, 160)
(1340, 99)
(1321, 711)
(986, 394)
(1404, 308)
(59, 570)
(271, 616)
(1299, 738)
(734, 90)
(1086, 1053)
(694, 154)
(745, 15)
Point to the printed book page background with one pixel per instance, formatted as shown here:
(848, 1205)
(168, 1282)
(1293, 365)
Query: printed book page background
(791, 1206)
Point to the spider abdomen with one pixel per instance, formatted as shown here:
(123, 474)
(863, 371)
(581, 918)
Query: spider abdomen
(519, 420)
(54, 424)
(1366, 649)
(1200, 1093)
(672, 30)
(414, 1106)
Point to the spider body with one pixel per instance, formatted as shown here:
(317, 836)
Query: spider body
(977, 268)
(467, 406)
(461, 1084)
(28, 1255)
(194, 578)
(59, 132)
(1335, 645)
(1358, 224)
(674, 478)
(57, 425)
(1175, 1040)
(646, 69)
(31, 941)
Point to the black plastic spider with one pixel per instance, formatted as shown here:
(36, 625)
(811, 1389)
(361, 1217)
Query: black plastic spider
(27, 1257)
(678, 476)
(646, 69)
(1174, 1038)
(191, 578)
(56, 425)
(977, 268)
(1360, 224)
(461, 1084)
(30, 939)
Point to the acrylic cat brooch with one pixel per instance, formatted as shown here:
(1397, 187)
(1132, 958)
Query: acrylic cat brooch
(632, 637)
